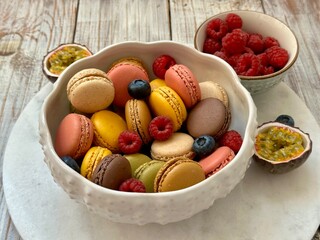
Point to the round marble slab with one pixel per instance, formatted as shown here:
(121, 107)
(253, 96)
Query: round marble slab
(262, 206)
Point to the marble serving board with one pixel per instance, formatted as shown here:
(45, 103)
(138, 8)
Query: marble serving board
(262, 206)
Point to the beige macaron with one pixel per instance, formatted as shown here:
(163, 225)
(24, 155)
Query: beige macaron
(178, 145)
(90, 90)
(210, 89)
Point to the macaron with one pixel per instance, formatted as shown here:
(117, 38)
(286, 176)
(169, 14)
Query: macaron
(216, 160)
(90, 90)
(91, 160)
(112, 170)
(181, 79)
(147, 172)
(74, 136)
(121, 74)
(138, 117)
(164, 101)
(210, 89)
(178, 173)
(157, 82)
(136, 160)
(107, 127)
(208, 117)
(178, 145)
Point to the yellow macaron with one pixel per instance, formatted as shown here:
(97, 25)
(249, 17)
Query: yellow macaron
(164, 101)
(107, 127)
(91, 160)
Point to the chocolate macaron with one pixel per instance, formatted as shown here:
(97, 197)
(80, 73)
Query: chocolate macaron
(112, 170)
(209, 117)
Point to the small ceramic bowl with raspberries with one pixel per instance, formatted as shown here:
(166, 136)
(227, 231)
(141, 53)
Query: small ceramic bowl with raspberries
(106, 180)
(260, 48)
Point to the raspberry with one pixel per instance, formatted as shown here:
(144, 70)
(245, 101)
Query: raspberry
(161, 128)
(248, 65)
(264, 70)
(248, 50)
(233, 21)
(270, 42)
(256, 43)
(216, 29)
(263, 59)
(211, 46)
(233, 60)
(244, 34)
(277, 56)
(221, 55)
(231, 139)
(234, 42)
(161, 64)
(129, 142)
(132, 185)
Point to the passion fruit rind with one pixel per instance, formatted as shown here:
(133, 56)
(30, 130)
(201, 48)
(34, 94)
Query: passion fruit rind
(45, 62)
(278, 167)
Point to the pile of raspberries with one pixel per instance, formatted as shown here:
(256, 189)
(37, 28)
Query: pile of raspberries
(250, 54)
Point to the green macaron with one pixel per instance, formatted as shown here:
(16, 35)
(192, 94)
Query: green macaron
(147, 173)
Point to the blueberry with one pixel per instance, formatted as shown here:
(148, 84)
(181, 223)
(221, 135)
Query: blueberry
(285, 119)
(71, 163)
(203, 145)
(139, 89)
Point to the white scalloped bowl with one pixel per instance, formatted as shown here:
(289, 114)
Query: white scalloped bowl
(143, 208)
(257, 22)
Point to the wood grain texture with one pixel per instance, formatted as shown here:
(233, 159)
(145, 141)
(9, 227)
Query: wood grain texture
(29, 29)
(108, 22)
(304, 19)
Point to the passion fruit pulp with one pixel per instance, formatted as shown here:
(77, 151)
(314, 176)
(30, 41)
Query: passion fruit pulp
(58, 59)
(280, 148)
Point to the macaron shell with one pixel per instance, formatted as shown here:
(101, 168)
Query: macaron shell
(74, 136)
(155, 83)
(181, 79)
(208, 117)
(178, 174)
(136, 160)
(90, 90)
(138, 117)
(112, 170)
(107, 127)
(178, 145)
(217, 160)
(91, 160)
(121, 75)
(147, 173)
(215, 90)
(164, 101)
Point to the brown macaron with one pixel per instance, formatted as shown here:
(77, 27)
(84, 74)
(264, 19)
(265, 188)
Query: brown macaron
(209, 117)
(112, 170)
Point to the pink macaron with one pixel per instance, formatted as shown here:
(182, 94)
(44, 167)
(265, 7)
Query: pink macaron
(121, 74)
(181, 79)
(74, 136)
(216, 160)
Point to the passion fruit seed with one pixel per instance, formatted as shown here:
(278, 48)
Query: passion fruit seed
(62, 58)
(279, 144)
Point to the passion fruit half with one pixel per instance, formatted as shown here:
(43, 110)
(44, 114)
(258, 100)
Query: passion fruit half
(280, 148)
(58, 59)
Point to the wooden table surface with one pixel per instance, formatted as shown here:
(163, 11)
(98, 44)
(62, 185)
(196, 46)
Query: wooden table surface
(29, 29)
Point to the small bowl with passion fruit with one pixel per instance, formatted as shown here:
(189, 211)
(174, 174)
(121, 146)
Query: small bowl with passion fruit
(58, 59)
(280, 147)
